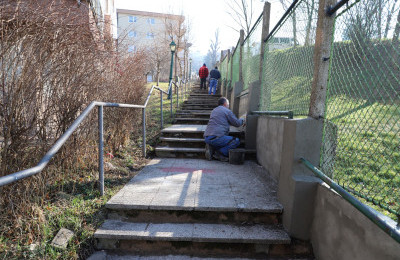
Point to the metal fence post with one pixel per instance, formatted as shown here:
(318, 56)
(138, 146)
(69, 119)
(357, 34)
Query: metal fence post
(161, 108)
(323, 41)
(101, 146)
(144, 131)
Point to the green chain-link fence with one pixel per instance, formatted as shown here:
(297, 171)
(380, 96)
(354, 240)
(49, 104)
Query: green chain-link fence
(288, 62)
(251, 54)
(235, 64)
(361, 144)
(361, 147)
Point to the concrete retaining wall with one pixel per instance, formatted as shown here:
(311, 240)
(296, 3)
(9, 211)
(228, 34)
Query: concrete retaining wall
(340, 231)
(312, 211)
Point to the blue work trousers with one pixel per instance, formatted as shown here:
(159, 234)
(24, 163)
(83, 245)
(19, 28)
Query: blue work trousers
(213, 86)
(223, 144)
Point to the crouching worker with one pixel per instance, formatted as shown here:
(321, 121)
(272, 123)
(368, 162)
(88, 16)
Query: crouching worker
(217, 139)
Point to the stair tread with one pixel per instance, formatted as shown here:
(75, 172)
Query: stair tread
(177, 139)
(196, 232)
(192, 118)
(180, 149)
(178, 128)
(189, 112)
(103, 255)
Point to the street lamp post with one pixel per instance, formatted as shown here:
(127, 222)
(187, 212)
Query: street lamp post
(173, 48)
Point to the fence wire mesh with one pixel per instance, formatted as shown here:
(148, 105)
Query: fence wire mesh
(235, 64)
(251, 54)
(361, 147)
(288, 61)
(222, 68)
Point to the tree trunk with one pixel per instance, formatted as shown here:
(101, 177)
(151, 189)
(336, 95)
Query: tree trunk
(158, 73)
(395, 39)
(294, 29)
(310, 12)
(389, 19)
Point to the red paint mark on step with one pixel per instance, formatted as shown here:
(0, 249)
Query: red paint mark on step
(186, 169)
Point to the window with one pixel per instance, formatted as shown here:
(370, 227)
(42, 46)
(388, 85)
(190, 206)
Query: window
(132, 34)
(131, 48)
(150, 35)
(151, 20)
(132, 19)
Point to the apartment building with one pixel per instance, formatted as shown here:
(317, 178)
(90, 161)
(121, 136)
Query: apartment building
(139, 29)
(152, 33)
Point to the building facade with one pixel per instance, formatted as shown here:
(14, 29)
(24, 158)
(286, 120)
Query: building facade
(139, 29)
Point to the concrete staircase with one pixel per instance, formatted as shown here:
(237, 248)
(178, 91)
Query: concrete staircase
(185, 138)
(196, 209)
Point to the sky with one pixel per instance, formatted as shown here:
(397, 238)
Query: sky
(205, 16)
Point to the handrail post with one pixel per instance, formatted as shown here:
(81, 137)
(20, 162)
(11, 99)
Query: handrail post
(177, 97)
(161, 109)
(144, 131)
(172, 99)
(101, 146)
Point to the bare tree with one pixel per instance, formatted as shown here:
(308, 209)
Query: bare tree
(214, 48)
(176, 30)
(286, 4)
(242, 13)
(391, 10)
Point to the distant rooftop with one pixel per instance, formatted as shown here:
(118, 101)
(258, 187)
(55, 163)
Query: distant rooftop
(144, 13)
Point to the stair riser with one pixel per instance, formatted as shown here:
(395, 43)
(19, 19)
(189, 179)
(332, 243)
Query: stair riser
(204, 249)
(193, 155)
(190, 122)
(182, 144)
(211, 217)
(192, 116)
(164, 143)
(197, 135)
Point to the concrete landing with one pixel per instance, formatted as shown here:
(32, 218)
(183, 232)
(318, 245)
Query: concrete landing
(198, 185)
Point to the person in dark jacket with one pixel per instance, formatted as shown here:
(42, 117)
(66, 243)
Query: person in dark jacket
(203, 74)
(214, 77)
(216, 136)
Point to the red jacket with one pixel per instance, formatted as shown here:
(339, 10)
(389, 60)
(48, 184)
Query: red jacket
(203, 72)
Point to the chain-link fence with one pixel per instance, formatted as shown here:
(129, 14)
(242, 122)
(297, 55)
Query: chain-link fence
(361, 147)
(288, 62)
(235, 64)
(251, 54)
(361, 143)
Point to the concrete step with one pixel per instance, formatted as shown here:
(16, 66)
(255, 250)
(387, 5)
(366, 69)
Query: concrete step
(103, 255)
(194, 238)
(193, 120)
(193, 232)
(187, 142)
(194, 131)
(197, 107)
(194, 112)
(180, 152)
(192, 115)
(205, 95)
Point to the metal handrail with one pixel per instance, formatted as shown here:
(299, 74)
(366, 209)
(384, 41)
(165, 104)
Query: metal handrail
(289, 114)
(382, 221)
(13, 177)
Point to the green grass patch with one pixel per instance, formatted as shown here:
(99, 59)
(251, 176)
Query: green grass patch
(367, 150)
